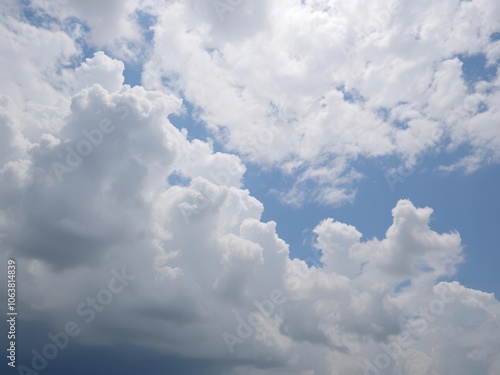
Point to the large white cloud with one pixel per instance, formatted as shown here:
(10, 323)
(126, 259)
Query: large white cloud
(331, 82)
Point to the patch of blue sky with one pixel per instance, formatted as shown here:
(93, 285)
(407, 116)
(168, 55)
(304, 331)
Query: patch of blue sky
(34, 16)
(351, 96)
(189, 120)
(175, 179)
(402, 286)
(495, 36)
(133, 69)
(132, 73)
(384, 113)
(475, 68)
(146, 21)
(482, 107)
(295, 224)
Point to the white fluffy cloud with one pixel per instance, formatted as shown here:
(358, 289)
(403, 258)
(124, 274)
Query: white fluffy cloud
(85, 163)
(332, 82)
(31, 58)
(112, 24)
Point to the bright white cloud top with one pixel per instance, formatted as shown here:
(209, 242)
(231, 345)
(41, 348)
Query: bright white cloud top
(304, 87)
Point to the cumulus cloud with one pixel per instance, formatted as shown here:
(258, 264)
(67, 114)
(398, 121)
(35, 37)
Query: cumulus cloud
(86, 187)
(102, 70)
(331, 82)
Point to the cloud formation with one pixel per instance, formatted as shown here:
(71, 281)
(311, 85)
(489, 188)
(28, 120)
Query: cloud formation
(85, 162)
(335, 82)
